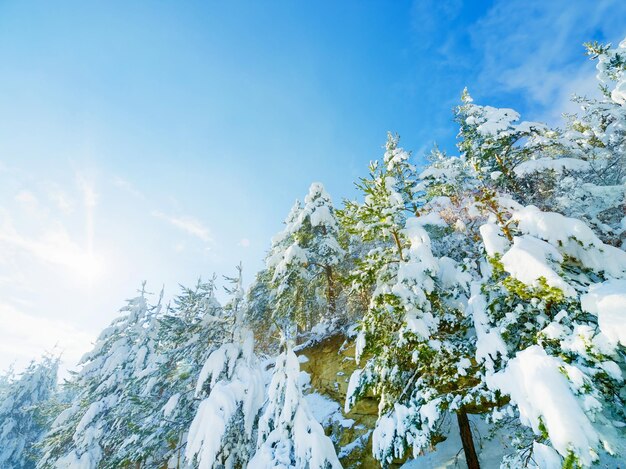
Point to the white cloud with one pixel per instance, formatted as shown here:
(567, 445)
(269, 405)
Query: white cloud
(24, 337)
(54, 246)
(244, 243)
(189, 225)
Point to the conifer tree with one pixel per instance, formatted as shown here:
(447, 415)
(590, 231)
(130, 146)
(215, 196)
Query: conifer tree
(541, 336)
(303, 262)
(232, 390)
(492, 283)
(539, 276)
(414, 333)
(319, 233)
(287, 262)
(164, 392)
(23, 419)
(86, 433)
(288, 434)
(259, 311)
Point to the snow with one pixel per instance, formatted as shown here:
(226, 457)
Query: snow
(530, 259)
(554, 330)
(420, 250)
(431, 218)
(221, 360)
(73, 460)
(211, 422)
(496, 120)
(493, 239)
(557, 165)
(449, 453)
(607, 300)
(94, 409)
(322, 408)
(326, 411)
(395, 157)
(451, 275)
(489, 343)
(546, 457)
(573, 238)
(543, 396)
(359, 345)
(619, 92)
(438, 173)
(171, 404)
(612, 369)
(359, 442)
(294, 254)
(609, 72)
(22, 424)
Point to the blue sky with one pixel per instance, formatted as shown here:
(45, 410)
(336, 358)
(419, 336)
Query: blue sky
(167, 140)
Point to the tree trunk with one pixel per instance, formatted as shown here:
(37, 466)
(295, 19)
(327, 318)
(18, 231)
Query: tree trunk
(330, 291)
(468, 442)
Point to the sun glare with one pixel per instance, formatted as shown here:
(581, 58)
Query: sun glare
(89, 267)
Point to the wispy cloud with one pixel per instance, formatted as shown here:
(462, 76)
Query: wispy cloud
(535, 47)
(127, 186)
(187, 224)
(522, 53)
(61, 200)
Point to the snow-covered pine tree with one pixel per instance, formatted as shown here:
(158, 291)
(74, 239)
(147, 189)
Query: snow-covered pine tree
(413, 335)
(88, 432)
(288, 434)
(6, 378)
(594, 152)
(544, 288)
(23, 419)
(559, 364)
(259, 310)
(140, 446)
(232, 389)
(286, 264)
(494, 142)
(189, 330)
(319, 234)
(303, 262)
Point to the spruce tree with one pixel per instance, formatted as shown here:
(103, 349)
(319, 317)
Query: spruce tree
(304, 260)
(186, 333)
(88, 433)
(288, 434)
(232, 390)
(413, 335)
(23, 416)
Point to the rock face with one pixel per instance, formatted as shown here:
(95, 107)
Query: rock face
(330, 364)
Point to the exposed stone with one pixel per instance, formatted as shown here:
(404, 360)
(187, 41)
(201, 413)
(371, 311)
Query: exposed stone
(330, 364)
